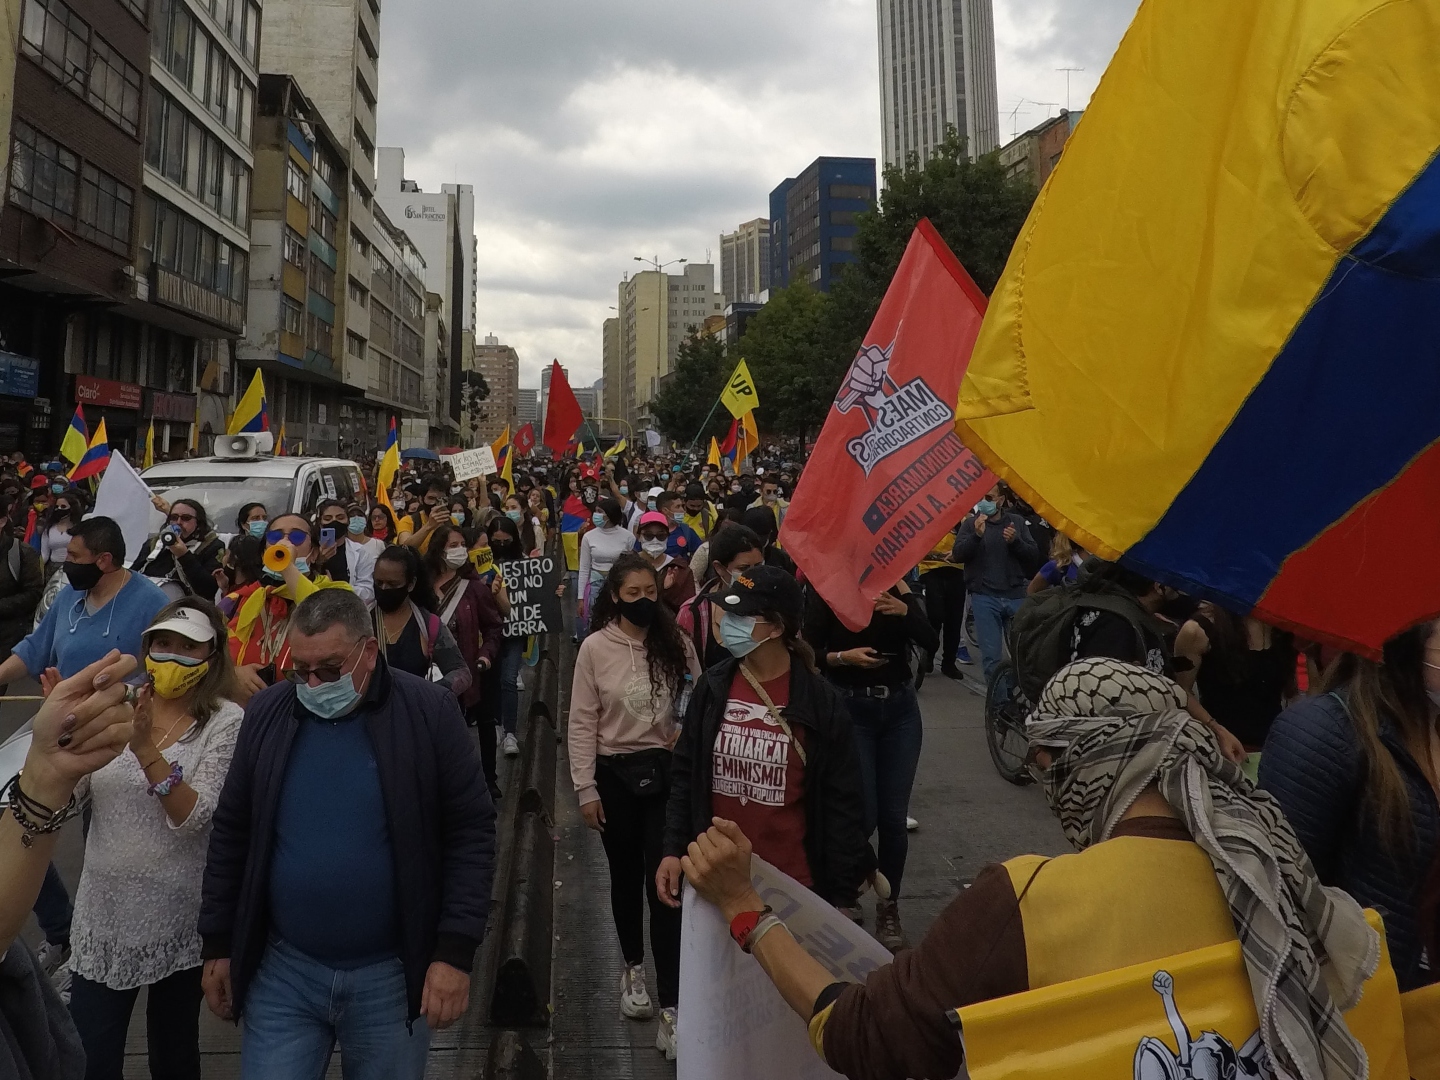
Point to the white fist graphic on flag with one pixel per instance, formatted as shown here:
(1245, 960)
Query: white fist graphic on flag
(868, 380)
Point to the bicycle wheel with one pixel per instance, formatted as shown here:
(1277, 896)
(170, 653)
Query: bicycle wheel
(1005, 738)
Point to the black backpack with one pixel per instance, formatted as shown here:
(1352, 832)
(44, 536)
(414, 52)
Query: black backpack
(1041, 634)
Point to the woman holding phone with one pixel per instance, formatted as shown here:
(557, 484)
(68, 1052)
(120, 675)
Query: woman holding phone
(138, 904)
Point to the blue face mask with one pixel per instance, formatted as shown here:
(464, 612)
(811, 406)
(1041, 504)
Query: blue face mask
(735, 634)
(302, 565)
(331, 699)
(679, 517)
(599, 518)
(650, 504)
(986, 507)
(624, 489)
(257, 529)
(357, 525)
(58, 489)
(515, 516)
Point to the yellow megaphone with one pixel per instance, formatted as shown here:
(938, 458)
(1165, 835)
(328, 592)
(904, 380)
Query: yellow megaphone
(278, 557)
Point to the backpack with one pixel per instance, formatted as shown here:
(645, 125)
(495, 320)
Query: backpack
(1042, 630)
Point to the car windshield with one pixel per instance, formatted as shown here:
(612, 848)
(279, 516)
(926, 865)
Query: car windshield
(223, 496)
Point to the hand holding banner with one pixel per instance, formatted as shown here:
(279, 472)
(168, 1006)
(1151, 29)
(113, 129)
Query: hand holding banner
(888, 475)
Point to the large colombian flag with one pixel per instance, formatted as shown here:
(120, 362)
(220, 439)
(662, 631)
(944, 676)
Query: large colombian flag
(1216, 347)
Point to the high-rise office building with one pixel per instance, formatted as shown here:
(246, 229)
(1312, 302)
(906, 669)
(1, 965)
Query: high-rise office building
(657, 312)
(745, 262)
(527, 408)
(610, 365)
(500, 366)
(813, 220)
(937, 71)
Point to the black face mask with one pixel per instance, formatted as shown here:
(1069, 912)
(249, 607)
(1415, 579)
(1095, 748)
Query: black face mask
(390, 600)
(640, 612)
(83, 576)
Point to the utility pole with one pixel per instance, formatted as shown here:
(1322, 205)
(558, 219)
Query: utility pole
(1067, 71)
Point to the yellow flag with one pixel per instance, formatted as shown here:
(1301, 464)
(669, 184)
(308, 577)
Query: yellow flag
(616, 450)
(714, 458)
(747, 439)
(500, 443)
(740, 395)
(149, 458)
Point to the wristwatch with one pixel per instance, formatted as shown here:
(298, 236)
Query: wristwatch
(750, 926)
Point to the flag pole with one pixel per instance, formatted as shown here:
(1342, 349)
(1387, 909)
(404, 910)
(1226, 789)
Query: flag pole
(704, 424)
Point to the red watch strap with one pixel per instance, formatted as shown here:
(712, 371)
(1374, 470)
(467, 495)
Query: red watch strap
(742, 925)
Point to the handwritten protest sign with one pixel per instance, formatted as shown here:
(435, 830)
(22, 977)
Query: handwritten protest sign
(471, 463)
(534, 607)
(733, 1022)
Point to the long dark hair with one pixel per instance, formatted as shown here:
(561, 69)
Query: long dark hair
(434, 560)
(664, 644)
(421, 590)
(78, 506)
(1393, 689)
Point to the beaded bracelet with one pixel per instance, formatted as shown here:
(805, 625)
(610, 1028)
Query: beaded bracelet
(164, 787)
(33, 816)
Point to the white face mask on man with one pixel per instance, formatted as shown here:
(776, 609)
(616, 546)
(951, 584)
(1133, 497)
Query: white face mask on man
(653, 548)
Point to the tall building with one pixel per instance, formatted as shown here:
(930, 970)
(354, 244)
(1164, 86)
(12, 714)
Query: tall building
(1035, 154)
(442, 224)
(745, 262)
(610, 365)
(657, 312)
(937, 71)
(404, 365)
(527, 408)
(500, 366)
(294, 326)
(813, 220)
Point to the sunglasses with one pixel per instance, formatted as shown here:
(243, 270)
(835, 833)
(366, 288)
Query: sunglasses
(295, 536)
(182, 517)
(326, 673)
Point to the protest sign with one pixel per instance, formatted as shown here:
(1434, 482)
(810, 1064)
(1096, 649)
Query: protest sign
(733, 1022)
(468, 464)
(534, 607)
(889, 477)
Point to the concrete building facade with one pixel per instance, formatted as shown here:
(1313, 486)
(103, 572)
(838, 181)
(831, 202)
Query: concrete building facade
(657, 312)
(1035, 154)
(813, 220)
(527, 408)
(937, 72)
(403, 373)
(610, 362)
(745, 262)
(499, 365)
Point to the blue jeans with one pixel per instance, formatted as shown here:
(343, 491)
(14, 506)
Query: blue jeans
(888, 734)
(992, 620)
(507, 669)
(297, 1009)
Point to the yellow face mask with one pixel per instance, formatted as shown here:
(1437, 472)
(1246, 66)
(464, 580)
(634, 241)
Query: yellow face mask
(175, 676)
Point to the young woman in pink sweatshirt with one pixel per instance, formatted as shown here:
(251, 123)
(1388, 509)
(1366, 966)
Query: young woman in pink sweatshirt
(631, 673)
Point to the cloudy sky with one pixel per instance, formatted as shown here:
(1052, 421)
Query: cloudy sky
(598, 130)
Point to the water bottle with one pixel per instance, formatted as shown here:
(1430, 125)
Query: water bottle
(682, 706)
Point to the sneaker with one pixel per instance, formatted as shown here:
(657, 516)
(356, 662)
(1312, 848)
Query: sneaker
(911, 824)
(950, 671)
(51, 956)
(665, 1040)
(634, 998)
(888, 930)
(62, 979)
(962, 656)
(855, 914)
(520, 683)
(511, 746)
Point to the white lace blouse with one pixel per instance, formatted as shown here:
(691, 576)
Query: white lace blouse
(139, 899)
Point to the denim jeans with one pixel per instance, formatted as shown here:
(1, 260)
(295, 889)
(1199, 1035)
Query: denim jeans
(53, 910)
(507, 670)
(888, 734)
(297, 1009)
(992, 620)
(172, 1026)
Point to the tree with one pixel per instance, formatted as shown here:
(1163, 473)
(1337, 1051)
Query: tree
(688, 395)
(786, 345)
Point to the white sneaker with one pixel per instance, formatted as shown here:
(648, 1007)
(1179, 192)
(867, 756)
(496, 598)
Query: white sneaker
(665, 1040)
(511, 746)
(520, 683)
(51, 956)
(634, 998)
(911, 824)
(62, 979)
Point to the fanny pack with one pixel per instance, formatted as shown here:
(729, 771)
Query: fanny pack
(644, 773)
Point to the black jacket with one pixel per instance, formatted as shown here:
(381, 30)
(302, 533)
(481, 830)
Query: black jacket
(197, 568)
(438, 807)
(1314, 766)
(19, 593)
(836, 847)
(890, 635)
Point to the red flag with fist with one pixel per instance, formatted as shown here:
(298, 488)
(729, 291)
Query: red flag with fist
(889, 477)
(524, 440)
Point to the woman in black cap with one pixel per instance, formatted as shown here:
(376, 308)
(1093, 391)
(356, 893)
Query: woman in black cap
(768, 743)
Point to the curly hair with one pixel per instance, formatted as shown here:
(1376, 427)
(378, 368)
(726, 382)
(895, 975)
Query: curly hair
(664, 643)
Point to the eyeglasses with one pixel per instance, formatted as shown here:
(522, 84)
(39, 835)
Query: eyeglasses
(183, 517)
(326, 673)
(295, 536)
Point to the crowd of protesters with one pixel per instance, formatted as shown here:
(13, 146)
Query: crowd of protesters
(271, 715)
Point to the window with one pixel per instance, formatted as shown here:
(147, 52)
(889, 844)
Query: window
(318, 334)
(322, 280)
(325, 168)
(359, 295)
(843, 217)
(185, 247)
(292, 246)
(292, 315)
(114, 87)
(61, 42)
(136, 8)
(321, 220)
(44, 176)
(842, 243)
(355, 345)
(851, 191)
(105, 208)
(295, 180)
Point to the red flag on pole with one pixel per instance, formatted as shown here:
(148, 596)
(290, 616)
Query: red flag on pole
(562, 411)
(889, 477)
(524, 440)
(728, 446)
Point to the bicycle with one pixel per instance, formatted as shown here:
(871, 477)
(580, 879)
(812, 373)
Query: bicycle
(1005, 711)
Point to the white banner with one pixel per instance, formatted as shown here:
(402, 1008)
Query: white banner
(652, 439)
(471, 463)
(733, 1022)
(124, 497)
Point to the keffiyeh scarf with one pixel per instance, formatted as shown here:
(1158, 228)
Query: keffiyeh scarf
(1113, 729)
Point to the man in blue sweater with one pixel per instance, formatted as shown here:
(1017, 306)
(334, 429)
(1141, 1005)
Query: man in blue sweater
(349, 872)
(996, 547)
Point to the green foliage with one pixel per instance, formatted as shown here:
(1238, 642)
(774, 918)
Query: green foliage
(686, 397)
(788, 347)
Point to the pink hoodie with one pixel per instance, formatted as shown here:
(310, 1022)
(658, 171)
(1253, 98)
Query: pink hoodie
(612, 710)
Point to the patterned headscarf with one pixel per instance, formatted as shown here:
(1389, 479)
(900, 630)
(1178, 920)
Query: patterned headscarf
(1113, 730)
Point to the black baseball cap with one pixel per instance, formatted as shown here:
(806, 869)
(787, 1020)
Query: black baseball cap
(763, 588)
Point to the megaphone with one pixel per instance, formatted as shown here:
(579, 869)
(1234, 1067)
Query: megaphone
(278, 557)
